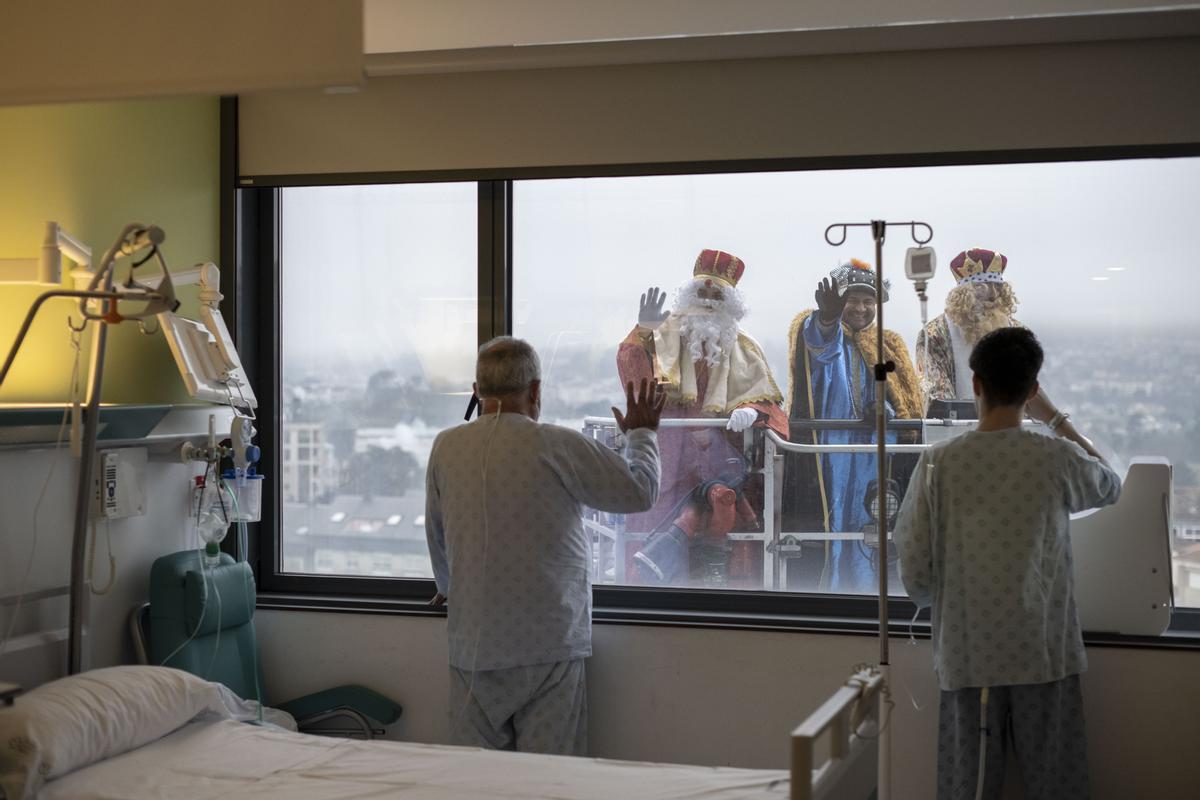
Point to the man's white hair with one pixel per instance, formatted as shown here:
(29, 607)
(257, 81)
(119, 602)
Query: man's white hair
(710, 326)
(505, 366)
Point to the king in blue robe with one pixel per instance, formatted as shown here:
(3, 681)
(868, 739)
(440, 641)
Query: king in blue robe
(832, 354)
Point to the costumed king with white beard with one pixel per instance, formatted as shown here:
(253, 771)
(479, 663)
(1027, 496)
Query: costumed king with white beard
(980, 302)
(709, 368)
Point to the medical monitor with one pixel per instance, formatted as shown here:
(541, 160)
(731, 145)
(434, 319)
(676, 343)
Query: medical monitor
(207, 360)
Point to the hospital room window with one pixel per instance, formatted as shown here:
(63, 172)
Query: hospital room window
(379, 318)
(1099, 256)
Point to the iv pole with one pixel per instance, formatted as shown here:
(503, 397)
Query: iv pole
(882, 368)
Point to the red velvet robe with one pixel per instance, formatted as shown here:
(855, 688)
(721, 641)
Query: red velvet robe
(692, 456)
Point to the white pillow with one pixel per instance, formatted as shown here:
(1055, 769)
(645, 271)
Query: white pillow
(69, 723)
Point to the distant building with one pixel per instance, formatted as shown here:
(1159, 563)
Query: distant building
(1188, 531)
(352, 535)
(1187, 574)
(415, 437)
(310, 469)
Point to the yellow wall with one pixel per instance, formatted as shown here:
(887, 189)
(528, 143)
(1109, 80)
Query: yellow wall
(93, 168)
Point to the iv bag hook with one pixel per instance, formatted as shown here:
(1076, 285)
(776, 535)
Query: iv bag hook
(921, 240)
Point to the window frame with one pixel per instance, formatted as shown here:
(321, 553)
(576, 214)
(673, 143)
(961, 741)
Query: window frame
(257, 235)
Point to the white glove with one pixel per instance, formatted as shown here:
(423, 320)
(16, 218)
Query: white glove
(742, 418)
(650, 310)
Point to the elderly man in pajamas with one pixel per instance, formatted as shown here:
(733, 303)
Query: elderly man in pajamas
(511, 559)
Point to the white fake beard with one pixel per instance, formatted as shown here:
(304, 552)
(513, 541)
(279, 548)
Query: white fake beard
(709, 335)
(710, 326)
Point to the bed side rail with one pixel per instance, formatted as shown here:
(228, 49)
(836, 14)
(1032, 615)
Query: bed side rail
(850, 717)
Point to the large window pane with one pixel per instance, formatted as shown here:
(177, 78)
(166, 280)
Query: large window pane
(1099, 257)
(379, 336)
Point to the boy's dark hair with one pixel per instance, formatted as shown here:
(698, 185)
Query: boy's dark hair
(1007, 362)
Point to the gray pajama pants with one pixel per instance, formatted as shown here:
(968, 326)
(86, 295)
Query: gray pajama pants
(537, 709)
(1044, 722)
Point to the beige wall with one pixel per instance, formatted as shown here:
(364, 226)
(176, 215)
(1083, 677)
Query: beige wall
(66, 50)
(1038, 96)
(416, 25)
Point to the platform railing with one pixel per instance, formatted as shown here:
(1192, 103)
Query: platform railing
(774, 449)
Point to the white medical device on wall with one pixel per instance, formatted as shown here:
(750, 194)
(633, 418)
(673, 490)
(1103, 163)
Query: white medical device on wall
(203, 349)
(57, 244)
(212, 372)
(47, 267)
(119, 492)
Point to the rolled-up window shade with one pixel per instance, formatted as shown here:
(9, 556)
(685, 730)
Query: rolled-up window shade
(1024, 97)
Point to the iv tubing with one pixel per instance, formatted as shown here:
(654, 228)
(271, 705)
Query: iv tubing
(924, 361)
(242, 536)
(203, 611)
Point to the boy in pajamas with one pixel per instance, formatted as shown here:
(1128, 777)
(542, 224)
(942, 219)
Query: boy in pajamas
(983, 539)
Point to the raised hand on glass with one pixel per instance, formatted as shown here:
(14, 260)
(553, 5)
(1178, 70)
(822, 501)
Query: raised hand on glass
(829, 303)
(650, 310)
(642, 410)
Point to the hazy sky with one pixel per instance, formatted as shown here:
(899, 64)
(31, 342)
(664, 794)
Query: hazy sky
(391, 270)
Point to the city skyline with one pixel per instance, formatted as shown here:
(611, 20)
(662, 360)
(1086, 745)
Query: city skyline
(1135, 401)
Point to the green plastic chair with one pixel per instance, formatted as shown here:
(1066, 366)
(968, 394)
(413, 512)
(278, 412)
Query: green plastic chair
(179, 628)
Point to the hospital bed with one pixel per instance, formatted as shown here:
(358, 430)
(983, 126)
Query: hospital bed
(149, 732)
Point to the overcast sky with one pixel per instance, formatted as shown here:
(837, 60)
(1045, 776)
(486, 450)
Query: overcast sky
(384, 272)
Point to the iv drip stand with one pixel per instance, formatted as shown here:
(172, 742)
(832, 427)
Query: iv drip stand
(881, 369)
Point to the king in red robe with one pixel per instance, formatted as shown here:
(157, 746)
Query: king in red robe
(710, 368)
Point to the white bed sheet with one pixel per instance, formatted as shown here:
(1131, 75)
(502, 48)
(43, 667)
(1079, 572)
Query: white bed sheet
(227, 759)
